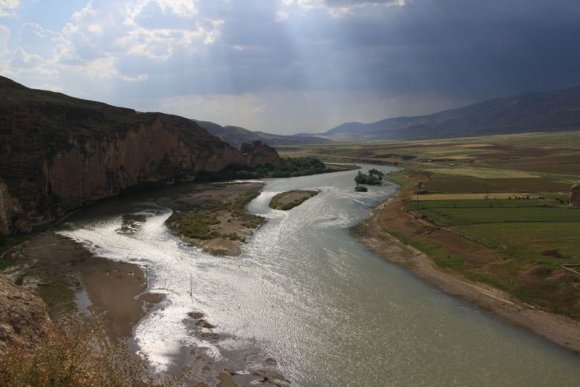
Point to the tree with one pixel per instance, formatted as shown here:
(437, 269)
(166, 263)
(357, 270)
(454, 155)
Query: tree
(376, 173)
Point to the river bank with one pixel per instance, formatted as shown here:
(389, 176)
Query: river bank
(374, 232)
(72, 278)
(303, 297)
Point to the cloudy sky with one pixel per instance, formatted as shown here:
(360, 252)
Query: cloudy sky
(287, 66)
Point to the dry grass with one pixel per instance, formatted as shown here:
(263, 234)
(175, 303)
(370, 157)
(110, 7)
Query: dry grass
(74, 354)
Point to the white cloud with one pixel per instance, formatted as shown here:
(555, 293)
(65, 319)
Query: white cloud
(4, 36)
(25, 63)
(7, 7)
(153, 29)
(281, 16)
(106, 68)
(37, 40)
(105, 35)
(185, 8)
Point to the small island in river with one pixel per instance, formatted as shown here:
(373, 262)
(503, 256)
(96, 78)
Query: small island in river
(288, 200)
(214, 216)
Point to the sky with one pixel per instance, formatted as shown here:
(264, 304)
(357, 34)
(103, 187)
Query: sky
(290, 66)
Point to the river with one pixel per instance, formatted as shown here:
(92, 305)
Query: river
(326, 308)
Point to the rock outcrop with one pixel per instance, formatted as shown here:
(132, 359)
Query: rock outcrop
(575, 196)
(23, 316)
(258, 153)
(58, 153)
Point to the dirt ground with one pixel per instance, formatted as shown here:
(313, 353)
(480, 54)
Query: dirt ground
(291, 199)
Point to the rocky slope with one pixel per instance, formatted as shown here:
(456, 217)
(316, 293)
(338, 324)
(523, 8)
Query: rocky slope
(58, 153)
(23, 316)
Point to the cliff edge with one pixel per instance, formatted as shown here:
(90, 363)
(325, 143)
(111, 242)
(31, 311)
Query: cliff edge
(58, 153)
(23, 316)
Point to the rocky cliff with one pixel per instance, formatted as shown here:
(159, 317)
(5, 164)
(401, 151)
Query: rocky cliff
(258, 153)
(23, 316)
(58, 153)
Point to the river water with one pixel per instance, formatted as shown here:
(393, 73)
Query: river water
(308, 295)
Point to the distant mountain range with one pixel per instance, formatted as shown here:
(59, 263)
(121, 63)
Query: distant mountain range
(527, 112)
(236, 136)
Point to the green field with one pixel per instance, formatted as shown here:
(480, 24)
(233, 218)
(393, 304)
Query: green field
(452, 216)
(541, 230)
(493, 208)
(551, 244)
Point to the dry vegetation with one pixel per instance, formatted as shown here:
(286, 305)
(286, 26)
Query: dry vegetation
(491, 208)
(216, 218)
(75, 354)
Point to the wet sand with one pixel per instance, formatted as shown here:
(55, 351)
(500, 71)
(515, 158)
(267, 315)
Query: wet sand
(115, 291)
(117, 294)
(559, 329)
(287, 200)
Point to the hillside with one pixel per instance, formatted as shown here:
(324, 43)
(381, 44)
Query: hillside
(236, 136)
(58, 153)
(528, 112)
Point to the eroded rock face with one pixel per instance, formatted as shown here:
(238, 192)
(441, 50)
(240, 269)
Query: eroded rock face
(575, 196)
(258, 153)
(23, 316)
(58, 153)
(149, 154)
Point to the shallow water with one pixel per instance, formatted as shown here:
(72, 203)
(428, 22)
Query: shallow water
(307, 294)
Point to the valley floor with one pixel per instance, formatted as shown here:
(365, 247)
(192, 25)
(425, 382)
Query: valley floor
(485, 218)
(389, 217)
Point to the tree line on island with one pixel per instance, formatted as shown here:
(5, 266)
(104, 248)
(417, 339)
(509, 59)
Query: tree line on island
(374, 177)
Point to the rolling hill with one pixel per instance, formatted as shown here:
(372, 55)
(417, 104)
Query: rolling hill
(236, 136)
(527, 112)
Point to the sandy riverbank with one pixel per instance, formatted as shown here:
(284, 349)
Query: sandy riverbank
(288, 200)
(374, 232)
(69, 277)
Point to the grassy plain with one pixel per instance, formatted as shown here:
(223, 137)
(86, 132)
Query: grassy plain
(494, 209)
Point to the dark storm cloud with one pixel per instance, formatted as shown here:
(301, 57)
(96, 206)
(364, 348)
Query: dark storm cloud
(469, 47)
(344, 59)
(472, 48)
